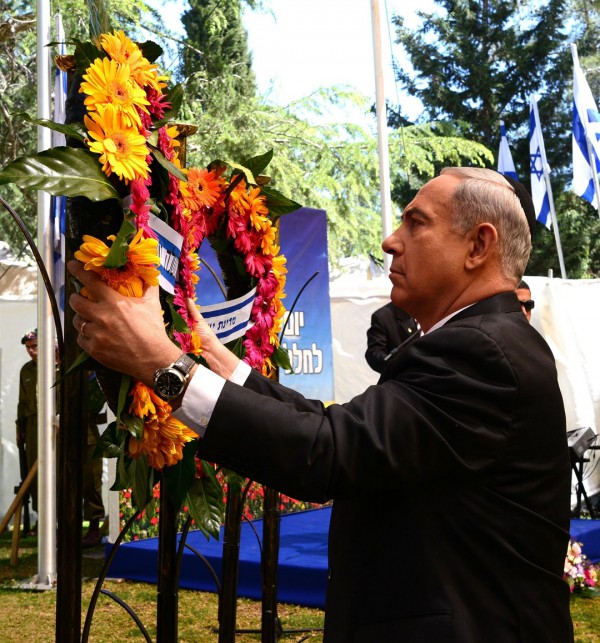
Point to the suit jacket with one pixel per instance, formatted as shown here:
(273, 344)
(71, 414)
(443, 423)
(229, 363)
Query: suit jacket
(390, 327)
(450, 480)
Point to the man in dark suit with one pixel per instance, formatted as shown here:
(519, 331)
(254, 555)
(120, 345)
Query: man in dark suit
(390, 327)
(450, 478)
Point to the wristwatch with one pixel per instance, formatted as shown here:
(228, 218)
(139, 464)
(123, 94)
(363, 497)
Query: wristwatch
(170, 382)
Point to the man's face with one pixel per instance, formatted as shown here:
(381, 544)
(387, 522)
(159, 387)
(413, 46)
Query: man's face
(31, 346)
(524, 295)
(428, 257)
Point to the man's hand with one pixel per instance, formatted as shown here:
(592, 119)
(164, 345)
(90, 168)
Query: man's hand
(126, 334)
(220, 359)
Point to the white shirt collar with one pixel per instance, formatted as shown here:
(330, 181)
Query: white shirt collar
(446, 319)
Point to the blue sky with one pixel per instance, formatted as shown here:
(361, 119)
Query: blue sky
(300, 46)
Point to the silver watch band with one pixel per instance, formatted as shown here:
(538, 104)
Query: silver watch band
(184, 364)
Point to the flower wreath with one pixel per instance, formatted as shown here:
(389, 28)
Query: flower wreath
(127, 127)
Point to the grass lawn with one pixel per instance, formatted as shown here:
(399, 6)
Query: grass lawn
(28, 616)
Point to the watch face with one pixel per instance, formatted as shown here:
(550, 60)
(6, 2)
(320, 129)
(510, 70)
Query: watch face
(169, 383)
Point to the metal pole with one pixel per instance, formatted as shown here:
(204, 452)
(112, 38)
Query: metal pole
(382, 133)
(546, 169)
(46, 576)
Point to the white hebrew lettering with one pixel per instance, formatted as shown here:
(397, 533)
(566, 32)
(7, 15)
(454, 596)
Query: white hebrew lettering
(294, 323)
(307, 360)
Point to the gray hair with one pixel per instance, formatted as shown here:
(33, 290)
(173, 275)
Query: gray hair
(485, 196)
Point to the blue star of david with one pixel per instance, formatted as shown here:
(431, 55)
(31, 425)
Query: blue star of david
(533, 158)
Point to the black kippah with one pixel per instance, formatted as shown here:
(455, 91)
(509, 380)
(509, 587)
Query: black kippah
(525, 200)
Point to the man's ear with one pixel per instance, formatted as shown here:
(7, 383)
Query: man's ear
(484, 242)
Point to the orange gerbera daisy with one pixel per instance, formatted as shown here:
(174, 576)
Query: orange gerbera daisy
(237, 200)
(132, 278)
(123, 50)
(143, 400)
(122, 150)
(257, 209)
(163, 439)
(268, 243)
(202, 189)
(109, 83)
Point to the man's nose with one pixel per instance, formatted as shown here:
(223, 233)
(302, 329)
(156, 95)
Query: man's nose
(392, 244)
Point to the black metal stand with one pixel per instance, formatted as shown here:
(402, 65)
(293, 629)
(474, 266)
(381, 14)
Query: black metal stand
(69, 509)
(577, 464)
(271, 625)
(168, 579)
(231, 561)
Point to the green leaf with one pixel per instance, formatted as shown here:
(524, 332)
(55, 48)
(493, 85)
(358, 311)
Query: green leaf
(80, 360)
(244, 170)
(75, 130)
(178, 478)
(123, 391)
(282, 359)
(133, 425)
(123, 478)
(141, 487)
(151, 50)
(235, 482)
(258, 163)
(205, 503)
(170, 167)
(178, 323)
(240, 266)
(85, 54)
(215, 165)
(220, 244)
(61, 171)
(117, 255)
(279, 204)
(111, 442)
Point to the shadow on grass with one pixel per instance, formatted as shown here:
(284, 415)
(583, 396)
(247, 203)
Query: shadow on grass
(27, 562)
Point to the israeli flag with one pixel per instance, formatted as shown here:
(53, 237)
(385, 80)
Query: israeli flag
(58, 203)
(586, 135)
(538, 167)
(170, 243)
(506, 165)
(230, 319)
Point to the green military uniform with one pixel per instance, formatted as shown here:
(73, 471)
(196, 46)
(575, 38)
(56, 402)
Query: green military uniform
(27, 430)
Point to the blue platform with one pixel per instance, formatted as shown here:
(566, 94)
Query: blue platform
(302, 574)
(588, 533)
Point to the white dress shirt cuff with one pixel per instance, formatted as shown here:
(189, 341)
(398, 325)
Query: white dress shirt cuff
(202, 394)
(241, 373)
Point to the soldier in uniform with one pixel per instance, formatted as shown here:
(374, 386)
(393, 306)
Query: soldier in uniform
(27, 408)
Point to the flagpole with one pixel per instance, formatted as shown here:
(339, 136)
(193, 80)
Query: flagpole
(546, 171)
(590, 150)
(46, 576)
(382, 133)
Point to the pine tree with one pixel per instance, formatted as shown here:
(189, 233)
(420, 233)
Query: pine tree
(476, 62)
(218, 44)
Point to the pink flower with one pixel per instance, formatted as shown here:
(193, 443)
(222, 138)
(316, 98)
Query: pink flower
(158, 102)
